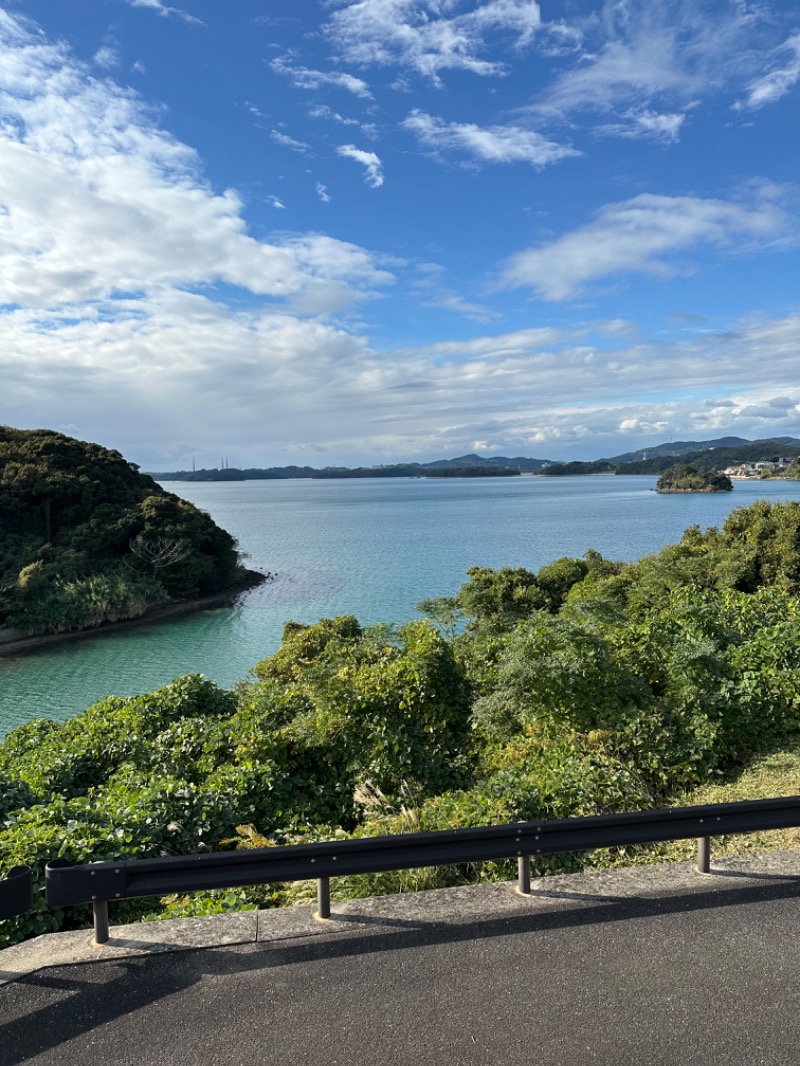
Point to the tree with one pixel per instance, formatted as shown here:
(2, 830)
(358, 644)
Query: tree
(71, 514)
(686, 478)
(444, 612)
(160, 551)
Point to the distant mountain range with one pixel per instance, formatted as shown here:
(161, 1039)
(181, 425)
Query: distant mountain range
(519, 462)
(655, 459)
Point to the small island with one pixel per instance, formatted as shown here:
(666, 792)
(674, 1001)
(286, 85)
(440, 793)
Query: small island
(686, 478)
(86, 540)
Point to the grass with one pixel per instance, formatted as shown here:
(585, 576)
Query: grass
(776, 773)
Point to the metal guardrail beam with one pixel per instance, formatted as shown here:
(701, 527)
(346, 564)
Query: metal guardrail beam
(16, 892)
(106, 881)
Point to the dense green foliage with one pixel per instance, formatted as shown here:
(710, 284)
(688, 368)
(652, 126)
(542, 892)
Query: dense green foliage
(589, 686)
(713, 458)
(577, 468)
(70, 513)
(687, 448)
(519, 464)
(448, 469)
(231, 473)
(472, 471)
(687, 478)
(393, 470)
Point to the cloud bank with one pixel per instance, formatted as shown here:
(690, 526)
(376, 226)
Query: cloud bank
(99, 201)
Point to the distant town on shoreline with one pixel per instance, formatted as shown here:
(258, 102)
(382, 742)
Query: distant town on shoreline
(735, 456)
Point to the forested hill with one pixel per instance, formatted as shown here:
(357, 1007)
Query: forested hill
(85, 538)
(714, 458)
(689, 447)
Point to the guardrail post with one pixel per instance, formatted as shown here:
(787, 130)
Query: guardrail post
(100, 915)
(703, 855)
(16, 892)
(323, 898)
(524, 875)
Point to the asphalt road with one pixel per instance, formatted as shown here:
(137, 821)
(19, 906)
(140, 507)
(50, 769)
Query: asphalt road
(708, 974)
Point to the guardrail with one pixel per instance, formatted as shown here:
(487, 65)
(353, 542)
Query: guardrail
(102, 882)
(16, 892)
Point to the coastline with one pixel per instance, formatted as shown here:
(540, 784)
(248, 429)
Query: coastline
(13, 644)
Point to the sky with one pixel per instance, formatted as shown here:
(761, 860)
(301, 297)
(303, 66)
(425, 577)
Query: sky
(376, 231)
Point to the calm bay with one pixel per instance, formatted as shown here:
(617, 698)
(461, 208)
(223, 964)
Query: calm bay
(371, 547)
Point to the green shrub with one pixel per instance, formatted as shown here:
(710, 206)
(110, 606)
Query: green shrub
(586, 688)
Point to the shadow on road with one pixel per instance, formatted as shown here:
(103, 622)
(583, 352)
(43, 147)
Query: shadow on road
(54, 1006)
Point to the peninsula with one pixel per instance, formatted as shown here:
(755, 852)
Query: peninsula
(88, 540)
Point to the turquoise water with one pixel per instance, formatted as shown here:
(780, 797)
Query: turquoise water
(369, 547)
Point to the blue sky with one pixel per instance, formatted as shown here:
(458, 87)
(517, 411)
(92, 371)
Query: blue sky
(345, 232)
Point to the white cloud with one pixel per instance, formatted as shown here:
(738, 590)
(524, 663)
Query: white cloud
(535, 387)
(106, 57)
(177, 366)
(638, 59)
(255, 111)
(647, 62)
(779, 81)
(160, 368)
(492, 144)
(97, 200)
(428, 35)
(116, 257)
(322, 192)
(323, 111)
(274, 201)
(645, 123)
(559, 39)
(450, 301)
(163, 9)
(289, 142)
(304, 78)
(374, 168)
(521, 343)
(545, 388)
(430, 289)
(641, 235)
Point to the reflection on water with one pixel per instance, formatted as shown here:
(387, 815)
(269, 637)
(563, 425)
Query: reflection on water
(369, 547)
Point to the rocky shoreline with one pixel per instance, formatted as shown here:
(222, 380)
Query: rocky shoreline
(13, 643)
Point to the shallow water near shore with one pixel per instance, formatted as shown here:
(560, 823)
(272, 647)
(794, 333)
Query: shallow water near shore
(371, 547)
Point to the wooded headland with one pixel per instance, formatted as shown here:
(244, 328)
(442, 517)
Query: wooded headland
(86, 539)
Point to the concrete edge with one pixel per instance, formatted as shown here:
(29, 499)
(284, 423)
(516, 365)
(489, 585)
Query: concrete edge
(386, 913)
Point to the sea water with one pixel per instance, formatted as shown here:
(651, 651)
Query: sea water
(371, 547)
